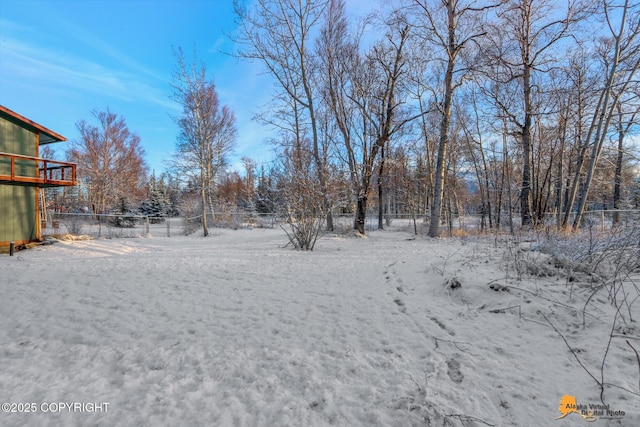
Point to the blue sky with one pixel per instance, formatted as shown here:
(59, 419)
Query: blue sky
(60, 59)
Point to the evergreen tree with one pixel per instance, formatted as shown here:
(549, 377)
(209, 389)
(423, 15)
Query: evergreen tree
(155, 207)
(124, 215)
(264, 201)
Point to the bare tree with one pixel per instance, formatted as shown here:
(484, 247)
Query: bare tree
(450, 26)
(624, 123)
(110, 161)
(470, 123)
(338, 53)
(536, 26)
(301, 194)
(363, 97)
(421, 93)
(207, 130)
(622, 61)
(573, 89)
(279, 34)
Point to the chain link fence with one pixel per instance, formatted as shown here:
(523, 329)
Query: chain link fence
(130, 225)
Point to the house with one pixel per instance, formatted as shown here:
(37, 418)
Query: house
(24, 175)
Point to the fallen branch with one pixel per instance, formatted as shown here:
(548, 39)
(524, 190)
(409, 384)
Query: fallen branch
(502, 310)
(573, 352)
(463, 417)
(455, 343)
(637, 358)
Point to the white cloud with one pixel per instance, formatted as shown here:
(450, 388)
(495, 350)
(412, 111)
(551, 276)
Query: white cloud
(44, 67)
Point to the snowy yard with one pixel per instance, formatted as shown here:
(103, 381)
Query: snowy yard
(235, 330)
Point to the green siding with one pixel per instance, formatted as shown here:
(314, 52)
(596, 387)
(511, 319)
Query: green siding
(17, 213)
(16, 139)
(17, 202)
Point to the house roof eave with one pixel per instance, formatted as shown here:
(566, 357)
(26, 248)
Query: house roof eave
(47, 136)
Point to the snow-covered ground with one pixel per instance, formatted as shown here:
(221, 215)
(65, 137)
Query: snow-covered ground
(236, 330)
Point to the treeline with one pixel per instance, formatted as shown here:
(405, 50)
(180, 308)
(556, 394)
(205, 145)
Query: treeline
(522, 107)
(432, 108)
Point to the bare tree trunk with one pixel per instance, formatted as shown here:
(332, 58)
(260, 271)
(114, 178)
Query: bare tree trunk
(507, 174)
(387, 200)
(617, 182)
(381, 190)
(203, 195)
(441, 162)
(575, 184)
(209, 187)
(617, 186)
(487, 188)
(560, 178)
(361, 213)
(525, 194)
(499, 194)
(560, 186)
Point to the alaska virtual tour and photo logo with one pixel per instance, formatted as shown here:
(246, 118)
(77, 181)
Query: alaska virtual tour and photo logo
(589, 412)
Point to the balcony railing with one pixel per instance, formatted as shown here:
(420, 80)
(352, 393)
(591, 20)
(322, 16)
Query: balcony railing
(19, 169)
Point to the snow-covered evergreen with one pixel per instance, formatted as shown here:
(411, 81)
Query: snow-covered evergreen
(156, 205)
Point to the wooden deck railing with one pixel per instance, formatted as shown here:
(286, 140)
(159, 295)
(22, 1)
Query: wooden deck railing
(19, 169)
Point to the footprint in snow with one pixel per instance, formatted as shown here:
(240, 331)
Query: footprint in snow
(453, 371)
(400, 305)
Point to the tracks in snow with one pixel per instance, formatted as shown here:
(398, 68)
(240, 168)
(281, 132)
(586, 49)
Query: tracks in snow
(400, 293)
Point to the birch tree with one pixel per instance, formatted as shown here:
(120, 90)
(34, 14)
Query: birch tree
(624, 123)
(110, 161)
(622, 60)
(207, 130)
